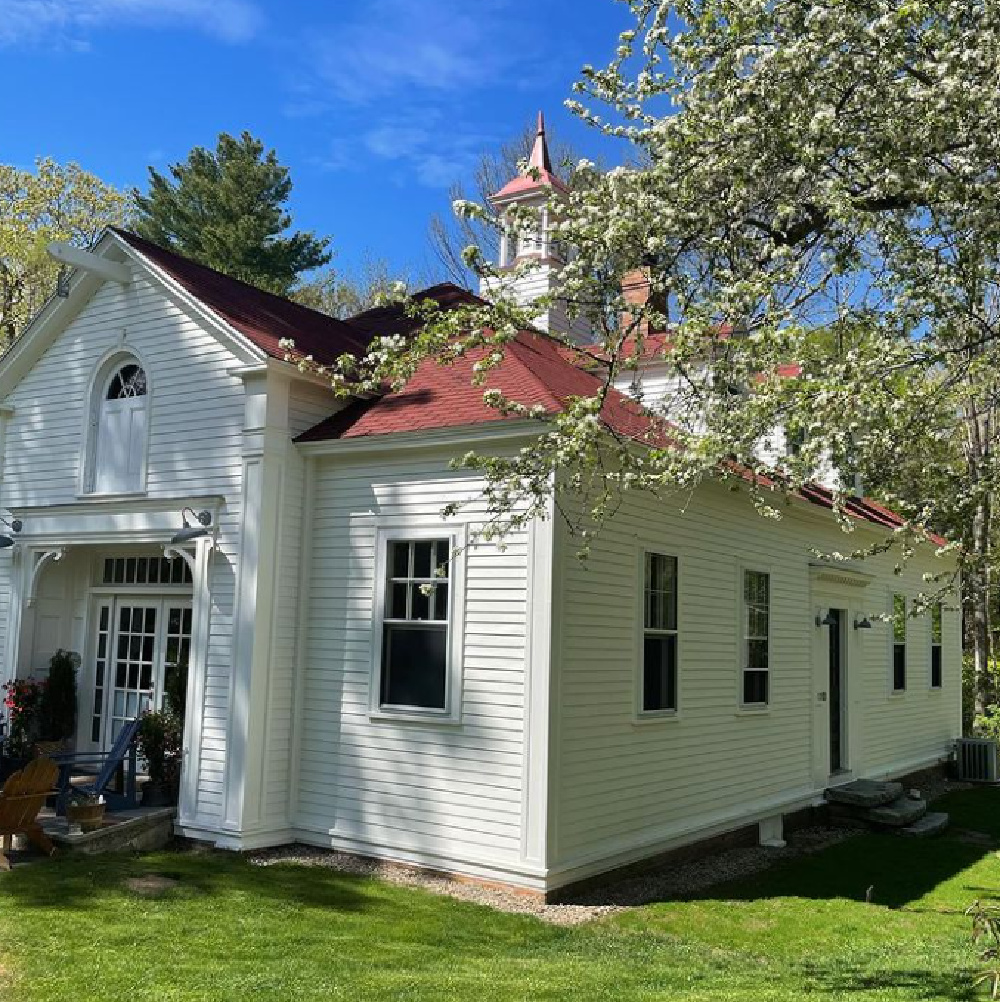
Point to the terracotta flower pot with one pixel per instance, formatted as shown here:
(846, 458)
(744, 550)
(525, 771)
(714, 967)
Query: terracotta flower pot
(89, 817)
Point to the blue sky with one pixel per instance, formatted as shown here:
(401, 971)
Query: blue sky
(375, 105)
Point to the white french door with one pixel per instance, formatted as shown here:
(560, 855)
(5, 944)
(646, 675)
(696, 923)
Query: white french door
(137, 638)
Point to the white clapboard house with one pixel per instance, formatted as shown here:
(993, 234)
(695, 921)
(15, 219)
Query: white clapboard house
(534, 719)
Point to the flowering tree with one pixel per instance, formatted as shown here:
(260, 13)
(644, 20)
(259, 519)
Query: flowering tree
(819, 183)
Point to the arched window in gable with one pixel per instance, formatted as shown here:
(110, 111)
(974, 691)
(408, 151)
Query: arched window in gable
(120, 425)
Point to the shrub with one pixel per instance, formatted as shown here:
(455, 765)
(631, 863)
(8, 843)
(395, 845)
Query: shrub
(22, 699)
(58, 708)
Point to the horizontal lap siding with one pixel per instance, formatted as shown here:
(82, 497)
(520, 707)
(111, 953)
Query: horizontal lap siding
(195, 421)
(410, 786)
(620, 783)
(920, 722)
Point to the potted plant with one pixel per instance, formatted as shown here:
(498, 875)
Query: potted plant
(85, 810)
(161, 736)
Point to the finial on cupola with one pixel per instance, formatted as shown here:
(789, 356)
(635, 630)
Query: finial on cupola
(540, 151)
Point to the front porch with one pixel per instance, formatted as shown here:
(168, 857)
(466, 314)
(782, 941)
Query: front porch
(139, 829)
(109, 581)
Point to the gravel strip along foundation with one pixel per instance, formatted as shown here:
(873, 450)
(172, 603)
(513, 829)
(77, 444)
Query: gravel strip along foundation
(654, 885)
(676, 880)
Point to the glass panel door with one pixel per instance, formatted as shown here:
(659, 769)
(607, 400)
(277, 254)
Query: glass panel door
(137, 640)
(135, 650)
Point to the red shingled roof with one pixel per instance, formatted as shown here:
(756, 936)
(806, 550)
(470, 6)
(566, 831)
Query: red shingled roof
(384, 321)
(264, 318)
(533, 372)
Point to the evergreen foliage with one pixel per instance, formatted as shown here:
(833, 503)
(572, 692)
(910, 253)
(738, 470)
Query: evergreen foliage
(226, 208)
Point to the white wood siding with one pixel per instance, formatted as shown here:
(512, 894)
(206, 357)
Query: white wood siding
(623, 784)
(307, 406)
(195, 421)
(446, 793)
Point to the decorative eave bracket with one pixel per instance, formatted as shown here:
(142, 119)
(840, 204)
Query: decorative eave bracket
(39, 561)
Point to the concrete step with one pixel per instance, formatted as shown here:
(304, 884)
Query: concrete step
(865, 793)
(930, 824)
(898, 814)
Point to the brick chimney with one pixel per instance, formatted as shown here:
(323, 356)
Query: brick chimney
(636, 292)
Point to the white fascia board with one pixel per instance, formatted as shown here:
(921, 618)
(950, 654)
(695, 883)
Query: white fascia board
(239, 344)
(470, 435)
(286, 370)
(55, 315)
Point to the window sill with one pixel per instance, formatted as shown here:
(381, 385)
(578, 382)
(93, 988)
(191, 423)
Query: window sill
(754, 711)
(652, 718)
(897, 693)
(117, 496)
(414, 717)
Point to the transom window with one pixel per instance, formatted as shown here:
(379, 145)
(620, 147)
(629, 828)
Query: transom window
(898, 643)
(936, 624)
(659, 642)
(756, 638)
(145, 571)
(120, 422)
(129, 381)
(415, 625)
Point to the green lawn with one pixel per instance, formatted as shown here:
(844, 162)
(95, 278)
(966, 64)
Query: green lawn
(71, 930)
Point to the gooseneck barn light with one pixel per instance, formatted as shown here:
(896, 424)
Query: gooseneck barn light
(7, 539)
(190, 532)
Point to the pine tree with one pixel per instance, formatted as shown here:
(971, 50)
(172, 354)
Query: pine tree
(225, 208)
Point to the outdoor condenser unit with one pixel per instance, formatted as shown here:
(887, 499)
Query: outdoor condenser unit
(977, 760)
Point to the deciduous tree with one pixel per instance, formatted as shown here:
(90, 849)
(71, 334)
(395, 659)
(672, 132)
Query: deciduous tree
(806, 167)
(54, 202)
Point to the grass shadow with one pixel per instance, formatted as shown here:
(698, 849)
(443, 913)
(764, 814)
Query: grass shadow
(79, 881)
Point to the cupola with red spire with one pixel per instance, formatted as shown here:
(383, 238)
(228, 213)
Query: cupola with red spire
(537, 175)
(525, 238)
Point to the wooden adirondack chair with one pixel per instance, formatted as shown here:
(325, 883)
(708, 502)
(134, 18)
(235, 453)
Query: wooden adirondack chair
(106, 765)
(22, 797)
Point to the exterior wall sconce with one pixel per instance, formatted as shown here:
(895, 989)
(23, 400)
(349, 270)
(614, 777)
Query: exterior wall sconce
(826, 620)
(862, 623)
(190, 532)
(7, 539)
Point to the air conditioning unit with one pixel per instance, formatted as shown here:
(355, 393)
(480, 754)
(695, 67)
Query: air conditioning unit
(977, 760)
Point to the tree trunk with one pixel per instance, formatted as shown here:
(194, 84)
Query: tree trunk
(979, 606)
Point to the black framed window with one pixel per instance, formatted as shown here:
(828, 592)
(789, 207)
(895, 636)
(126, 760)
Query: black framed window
(936, 620)
(414, 668)
(756, 637)
(659, 637)
(898, 643)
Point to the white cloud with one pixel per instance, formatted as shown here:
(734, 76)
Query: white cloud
(65, 22)
(399, 47)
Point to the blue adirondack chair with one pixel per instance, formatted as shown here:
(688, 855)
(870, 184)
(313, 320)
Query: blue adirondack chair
(106, 765)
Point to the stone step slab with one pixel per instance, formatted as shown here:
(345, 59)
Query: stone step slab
(930, 824)
(865, 793)
(898, 814)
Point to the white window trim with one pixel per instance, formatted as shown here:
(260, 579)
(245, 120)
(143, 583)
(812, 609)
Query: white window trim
(893, 691)
(930, 649)
(751, 709)
(103, 372)
(640, 715)
(385, 533)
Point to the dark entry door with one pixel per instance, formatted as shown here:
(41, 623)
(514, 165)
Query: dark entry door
(836, 693)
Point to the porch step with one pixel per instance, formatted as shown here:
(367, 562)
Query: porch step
(865, 793)
(900, 813)
(930, 824)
